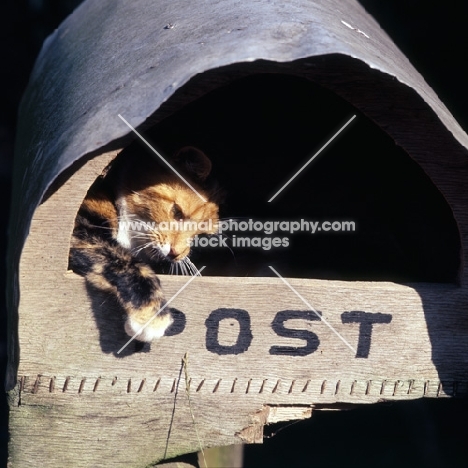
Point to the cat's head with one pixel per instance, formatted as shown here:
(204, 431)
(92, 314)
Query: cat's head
(161, 211)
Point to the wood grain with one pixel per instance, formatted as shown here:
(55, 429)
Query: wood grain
(77, 398)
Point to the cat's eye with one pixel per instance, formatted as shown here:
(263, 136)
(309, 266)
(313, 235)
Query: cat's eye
(177, 212)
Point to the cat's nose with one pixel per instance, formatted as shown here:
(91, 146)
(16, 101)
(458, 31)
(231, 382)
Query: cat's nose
(172, 254)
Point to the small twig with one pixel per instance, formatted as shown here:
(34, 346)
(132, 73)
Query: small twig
(187, 390)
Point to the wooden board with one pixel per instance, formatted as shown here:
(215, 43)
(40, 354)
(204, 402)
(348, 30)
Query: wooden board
(256, 354)
(90, 398)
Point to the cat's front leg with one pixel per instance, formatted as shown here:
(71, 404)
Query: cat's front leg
(110, 268)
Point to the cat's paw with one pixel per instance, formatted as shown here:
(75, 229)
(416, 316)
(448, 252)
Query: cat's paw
(148, 330)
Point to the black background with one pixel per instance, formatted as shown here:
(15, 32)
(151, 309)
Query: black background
(434, 36)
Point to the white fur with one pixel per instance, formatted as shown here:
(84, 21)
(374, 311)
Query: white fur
(123, 234)
(165, 249)
(149, 331)
(133, 328)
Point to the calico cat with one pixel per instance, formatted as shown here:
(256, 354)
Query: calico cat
(117, 242)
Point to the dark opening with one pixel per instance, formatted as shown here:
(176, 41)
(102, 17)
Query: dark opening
(259, 131)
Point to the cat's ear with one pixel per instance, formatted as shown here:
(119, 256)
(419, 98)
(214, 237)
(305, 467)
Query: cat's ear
(194, 161)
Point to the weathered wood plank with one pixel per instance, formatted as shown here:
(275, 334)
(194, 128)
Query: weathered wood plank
(76, 391)
(211, 339)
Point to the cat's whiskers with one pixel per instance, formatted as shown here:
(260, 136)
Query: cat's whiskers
(191, 266)
(186, 267)
(141, 237)
(220, 235)
(100, 226)
(156, 252)
(125, 218)
(138, 249)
